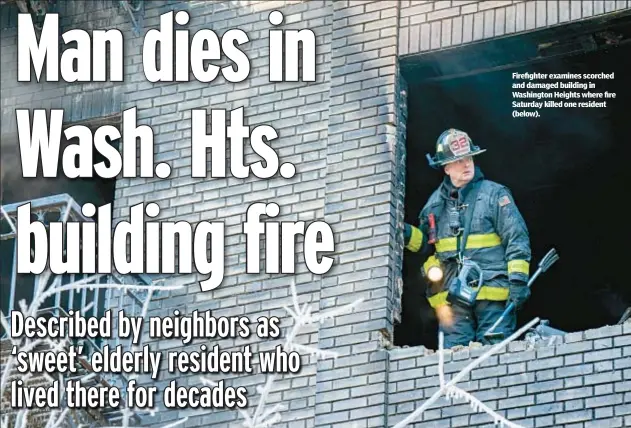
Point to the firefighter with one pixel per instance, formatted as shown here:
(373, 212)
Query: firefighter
(469, 209)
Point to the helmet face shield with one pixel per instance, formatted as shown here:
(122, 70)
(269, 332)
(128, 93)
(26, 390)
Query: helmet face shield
(451, 146)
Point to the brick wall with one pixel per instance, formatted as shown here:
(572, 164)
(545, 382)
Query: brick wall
(345, 134)
(80, 101)
(583, 382)
(300, 114)
(360, 190)
(432, 25)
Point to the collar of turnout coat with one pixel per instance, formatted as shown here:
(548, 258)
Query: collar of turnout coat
(449, 191)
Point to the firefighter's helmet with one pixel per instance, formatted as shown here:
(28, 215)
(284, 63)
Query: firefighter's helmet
(451, 146)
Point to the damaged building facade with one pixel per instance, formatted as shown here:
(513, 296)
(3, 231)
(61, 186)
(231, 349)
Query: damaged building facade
(348, 134)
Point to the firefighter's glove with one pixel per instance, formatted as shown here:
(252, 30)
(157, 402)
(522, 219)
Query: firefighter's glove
(519, 293)
(407, 232)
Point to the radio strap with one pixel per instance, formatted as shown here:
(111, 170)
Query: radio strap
(462, 239)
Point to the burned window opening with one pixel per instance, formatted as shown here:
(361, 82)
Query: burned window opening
(15, 189)
(566, 169)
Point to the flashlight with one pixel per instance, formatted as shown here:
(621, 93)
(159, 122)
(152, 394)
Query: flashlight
(435, 273)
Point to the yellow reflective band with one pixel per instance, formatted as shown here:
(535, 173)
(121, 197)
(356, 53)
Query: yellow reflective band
(497, 294)
(520, 266)
(438, 299)
(493, 293)
(431, 261)
(416, 240)
(473, 241)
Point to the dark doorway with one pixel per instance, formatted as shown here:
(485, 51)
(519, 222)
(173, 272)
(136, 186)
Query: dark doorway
(568, 169)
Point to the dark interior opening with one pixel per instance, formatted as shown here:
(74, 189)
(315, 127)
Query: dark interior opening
(568, 169)
(16, 189)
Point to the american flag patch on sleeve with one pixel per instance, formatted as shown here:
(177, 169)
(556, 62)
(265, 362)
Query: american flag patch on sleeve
(504, 200)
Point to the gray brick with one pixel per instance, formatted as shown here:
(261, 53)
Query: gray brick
(460, 421)
(545, 375)
(625, 409)
(603, 366)
(544, 421)
(469, 8)
(622, 340)
(575, 10)
(490, 372)
(526, 401)
(489, 23)
(467, 28)
(523, 378)
(500, 22)
(574, 348)
(570, 394)
(588, 9)
(603, 343)
(494, 394)
(510, 19)
(531, 15)
(515, 413)
(435, 35)
(455, 410)
(478, 26)
(329, 417)
(416, 10)
(443, 13)
(545, 352)
(623, 386)
(545, 386)
(603, 412)
(442, 4)
(570, 417)
(603, 378)
(572, 405)
(546, 397)
(456, 35)
(367, 412)
(411, 395)
(546, 363)
(424, 36)
(515, 357)
(579, 370)
(445, 37)
(406, 374)
(606, 400)
(520, 17)
(564, 11)
(543, 409)
(491, 4)
(350, 404)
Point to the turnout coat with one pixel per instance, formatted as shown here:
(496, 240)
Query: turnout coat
(498, 240)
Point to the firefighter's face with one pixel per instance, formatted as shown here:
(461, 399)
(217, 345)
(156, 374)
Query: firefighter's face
(461, 171)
